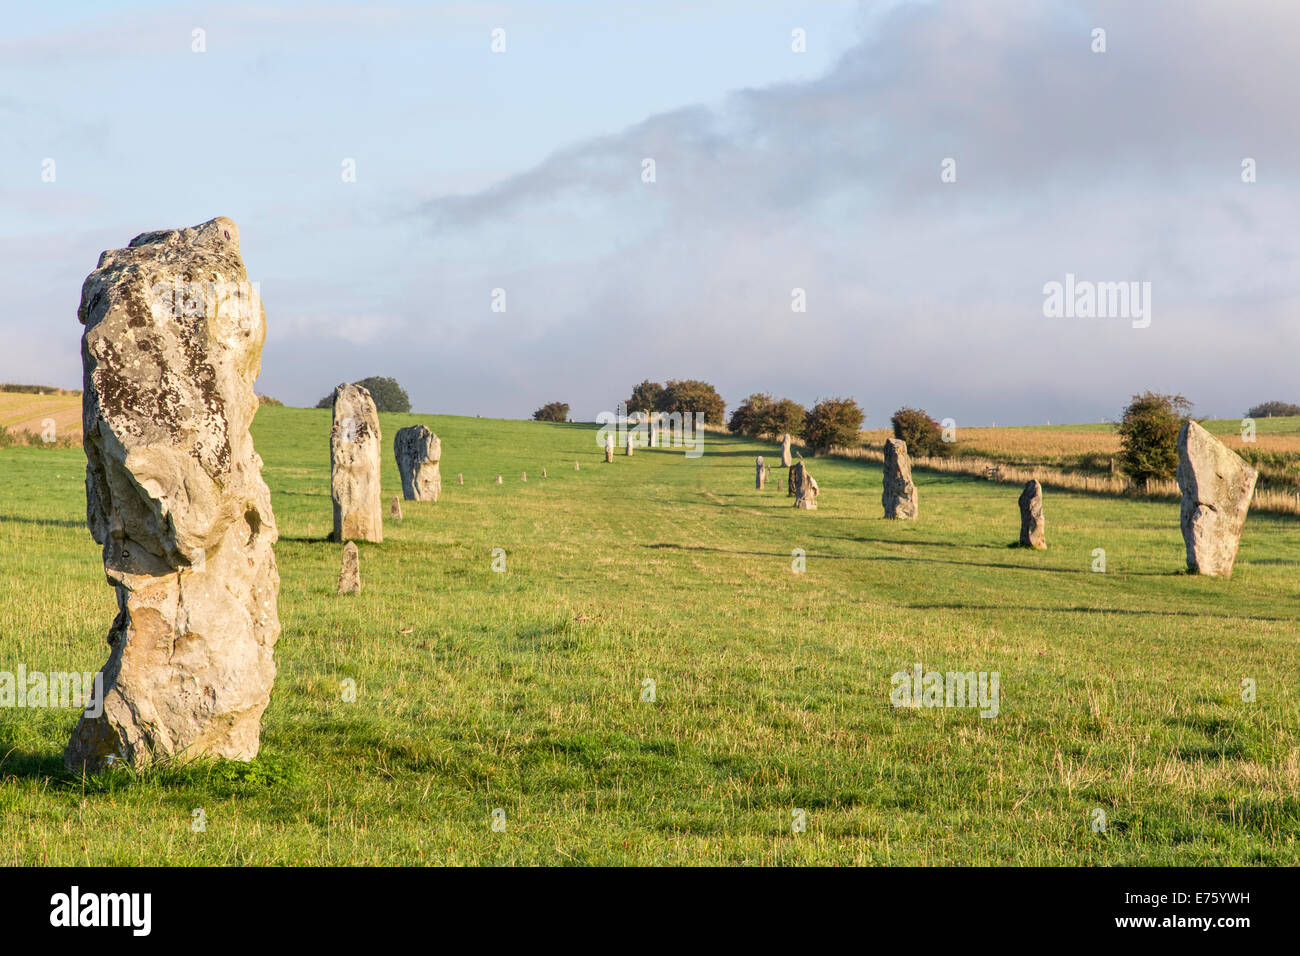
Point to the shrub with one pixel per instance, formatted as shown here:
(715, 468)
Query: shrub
(923, 434)
(646, 397)
(833, 421)
(388, 395)
(784, 415)
(1148, 435)
(692, 395)
(552, 412)
(749, 418)
(268, 400)
(1273, 410)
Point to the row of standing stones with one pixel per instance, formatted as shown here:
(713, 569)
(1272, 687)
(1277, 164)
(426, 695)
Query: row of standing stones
(176, 499)
(1216, 485)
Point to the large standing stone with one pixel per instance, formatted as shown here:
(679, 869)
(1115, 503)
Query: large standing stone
(1033, 526)
(354, 466)
(174, 493)
(785, 450)
(1217, 486)
(804, 487)
(350, 570)
(418, 451)
(899, 498)
(759, 473)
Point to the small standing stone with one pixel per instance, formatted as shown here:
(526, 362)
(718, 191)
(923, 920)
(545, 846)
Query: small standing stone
(576, 466)
(523, 476)
(499, 480)
(629, 445)
(1033, 526)
(350, 572)
(460, 478)
(609, 448)
(395, 508)
(759, 473)
(543, 472)
(899, 498)
(804, 486)
(785, 450)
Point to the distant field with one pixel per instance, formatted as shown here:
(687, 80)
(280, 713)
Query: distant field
(1120, 691)
(21, 411)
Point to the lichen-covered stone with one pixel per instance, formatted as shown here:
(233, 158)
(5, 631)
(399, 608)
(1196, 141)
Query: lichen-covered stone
(418, 452)
(899, 497)
(804, 487)
(1033, 526)
(354, 466)
(174, 494)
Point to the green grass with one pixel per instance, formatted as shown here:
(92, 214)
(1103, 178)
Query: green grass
(522, 690)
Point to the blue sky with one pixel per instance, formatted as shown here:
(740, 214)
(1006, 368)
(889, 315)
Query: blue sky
(774, 170)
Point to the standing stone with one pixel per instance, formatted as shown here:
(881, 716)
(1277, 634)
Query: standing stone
(576, 467)
(395, 508)
(350, 571)
(759, 473)
(543, 472)
(418, 452)
(609, 448)
(523, 476)
(354, 466)
(899, 497)
(785, 450)
(629, 445)
(1217, 485)
(460, 478)
(174, 493)
(499, 481)
(1033, 526)
(804, 487)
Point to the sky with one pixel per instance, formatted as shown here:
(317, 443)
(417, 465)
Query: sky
(920, 172)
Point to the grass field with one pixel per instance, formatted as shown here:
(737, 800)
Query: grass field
(522, 690)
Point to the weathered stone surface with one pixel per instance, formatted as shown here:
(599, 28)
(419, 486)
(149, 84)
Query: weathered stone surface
(785, 450)
(899, 497)
(395, 508)
(760, 473)
(1217, 486)
(609, 448)
(350, 570)
(1033, 526)
(354, 466)
(804, 487)
(174, 493)
(418, 452)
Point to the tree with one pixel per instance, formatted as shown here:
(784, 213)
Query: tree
(1273, 410)
(1148, 434)
(646, 397)
(693, 396)
(784, 416)
(387, 394)
(750, 415)
(552, 412)
(833, 421)
(923, 434)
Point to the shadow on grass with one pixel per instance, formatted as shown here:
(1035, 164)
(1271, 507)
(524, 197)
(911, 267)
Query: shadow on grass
(49, 522)
(1079, 609)
(32, 765)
